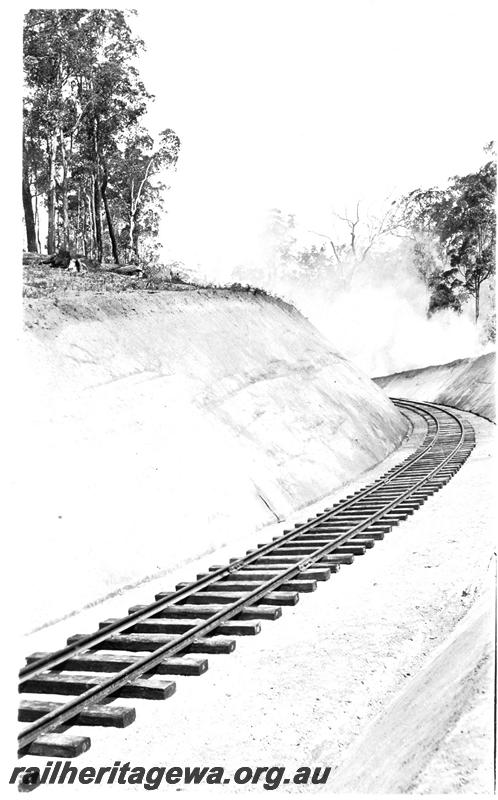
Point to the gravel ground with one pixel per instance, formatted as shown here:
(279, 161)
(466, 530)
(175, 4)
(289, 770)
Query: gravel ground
(313, 680)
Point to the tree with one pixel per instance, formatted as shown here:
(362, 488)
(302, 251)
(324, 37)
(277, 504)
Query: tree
(54, 51)
(29, 216)
(115, 99)
(468, 229)
(353, 236)
(279, 238)
(461, 220)
(315, 262)
(489, 326)
(83, 97)
(140, 162)
(447, 291)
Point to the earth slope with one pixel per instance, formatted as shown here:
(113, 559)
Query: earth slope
(161, 425)
(467, 384)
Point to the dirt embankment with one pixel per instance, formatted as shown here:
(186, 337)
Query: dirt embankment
(467, 384)
(161, 425)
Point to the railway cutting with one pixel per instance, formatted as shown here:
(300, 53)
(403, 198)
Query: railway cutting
(138, 655)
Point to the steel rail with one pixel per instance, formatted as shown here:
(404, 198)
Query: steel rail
(58, 657)
(111, 685)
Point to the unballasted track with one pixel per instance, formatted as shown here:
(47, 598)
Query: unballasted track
(129, 657)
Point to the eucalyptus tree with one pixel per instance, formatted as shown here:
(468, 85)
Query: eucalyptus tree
(461, 220)
(54, 54)
(142, 160)
(27, 200)
(83, 97)
(115, 99)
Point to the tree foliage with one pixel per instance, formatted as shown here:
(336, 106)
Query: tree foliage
(84, 142)
(459, 224)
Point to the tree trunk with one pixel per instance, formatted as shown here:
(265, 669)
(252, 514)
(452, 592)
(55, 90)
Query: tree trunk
(98, 221)
(91, 213)
(89, 197)
(97, 194)
(131, 235)
(37, 223)
(477, 293)
(110, 226)
(135, 242)
(87, 222)
(84, 244)
(29, 218)
(65, 206)
(77, 232)
(52, 150)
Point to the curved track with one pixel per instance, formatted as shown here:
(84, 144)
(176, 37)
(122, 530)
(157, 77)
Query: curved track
(202, 616)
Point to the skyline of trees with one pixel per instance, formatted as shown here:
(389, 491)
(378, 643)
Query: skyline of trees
(444, 237)
(454, 235)
(86, 153)
(92, 167)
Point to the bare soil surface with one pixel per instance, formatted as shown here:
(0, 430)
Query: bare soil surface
(42, 281)
(308, 688)
(167, 423)
(385, 673)
(449, 749)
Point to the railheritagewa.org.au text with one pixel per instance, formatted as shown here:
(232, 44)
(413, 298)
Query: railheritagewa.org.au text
(156, 777)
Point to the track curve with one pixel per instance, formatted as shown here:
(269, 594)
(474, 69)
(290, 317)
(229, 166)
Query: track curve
(153, 640)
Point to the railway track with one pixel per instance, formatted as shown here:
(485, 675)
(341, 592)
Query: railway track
(137, 656)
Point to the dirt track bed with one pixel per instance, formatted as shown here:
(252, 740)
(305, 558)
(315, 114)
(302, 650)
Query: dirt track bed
(377, 624)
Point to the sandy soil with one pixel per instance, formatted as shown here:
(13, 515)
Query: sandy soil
(434, 737)
(468, 383)
(306, 690)
(155, 424)
(462, 762)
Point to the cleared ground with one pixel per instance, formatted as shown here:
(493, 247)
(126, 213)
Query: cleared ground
(385, 673)
(375, 659)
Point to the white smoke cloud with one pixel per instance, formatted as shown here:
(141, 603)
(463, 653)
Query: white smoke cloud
(379, 321)
(383, 330)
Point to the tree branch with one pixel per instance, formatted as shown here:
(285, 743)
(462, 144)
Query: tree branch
(331, 242)
(142, 184)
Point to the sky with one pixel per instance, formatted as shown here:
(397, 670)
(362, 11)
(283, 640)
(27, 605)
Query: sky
(303, 105)
(310, 106)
